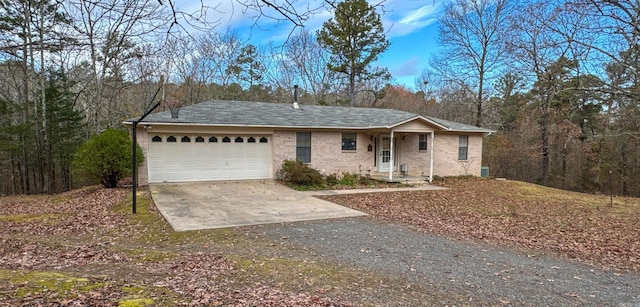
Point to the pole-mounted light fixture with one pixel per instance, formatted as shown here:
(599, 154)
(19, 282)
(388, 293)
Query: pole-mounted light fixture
(134, 170)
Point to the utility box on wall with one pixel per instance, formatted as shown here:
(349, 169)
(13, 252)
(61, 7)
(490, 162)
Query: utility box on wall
(404, 169)
(484, 172)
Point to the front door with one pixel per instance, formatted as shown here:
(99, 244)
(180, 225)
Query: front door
(384, 153)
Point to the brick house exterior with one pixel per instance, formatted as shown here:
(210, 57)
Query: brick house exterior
(223, 140)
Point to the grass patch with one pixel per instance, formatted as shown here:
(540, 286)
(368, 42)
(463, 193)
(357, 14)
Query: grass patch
(49, 218)
(64, 285)
(140, 295)
(58, 286)
(136, 302)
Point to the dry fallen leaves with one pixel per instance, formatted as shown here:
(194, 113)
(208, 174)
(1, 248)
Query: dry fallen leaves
(80, 234)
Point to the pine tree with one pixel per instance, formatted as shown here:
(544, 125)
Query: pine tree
(64, 130)
(355, 37)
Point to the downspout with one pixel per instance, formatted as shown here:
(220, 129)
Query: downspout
(391, 157)
(431, 158)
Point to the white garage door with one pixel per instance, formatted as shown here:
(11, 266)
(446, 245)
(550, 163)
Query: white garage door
(177, 158)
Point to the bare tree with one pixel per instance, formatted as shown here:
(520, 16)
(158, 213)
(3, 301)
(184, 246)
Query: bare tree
(550, 59)
(472, 34)
(107, 33)
(309, 62)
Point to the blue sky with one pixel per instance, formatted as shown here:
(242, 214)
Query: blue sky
(411, 27)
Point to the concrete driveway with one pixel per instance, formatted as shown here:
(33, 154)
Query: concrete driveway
(208, 205)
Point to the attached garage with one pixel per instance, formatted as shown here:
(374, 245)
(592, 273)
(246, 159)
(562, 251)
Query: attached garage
(180, 158)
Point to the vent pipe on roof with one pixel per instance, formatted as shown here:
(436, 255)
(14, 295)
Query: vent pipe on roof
(295, 97)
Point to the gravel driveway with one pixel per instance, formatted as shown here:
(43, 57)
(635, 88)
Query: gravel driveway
(483, 274)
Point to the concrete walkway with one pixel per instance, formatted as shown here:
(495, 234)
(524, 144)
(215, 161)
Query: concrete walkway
(421, 187)
(222, 204)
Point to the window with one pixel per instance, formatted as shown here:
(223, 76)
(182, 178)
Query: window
(463, 147)
(199, 139)
(349, 141)
(251, 140)
(422, 142)
(171, 139)
(303, 146)
(213, 139)
(226, 139)
(156, 139)
(263, 140)
(239, 140)
(185, 139)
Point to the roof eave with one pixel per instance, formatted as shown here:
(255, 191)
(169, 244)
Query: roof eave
(129, 123)
(257, 126)
(421, 118)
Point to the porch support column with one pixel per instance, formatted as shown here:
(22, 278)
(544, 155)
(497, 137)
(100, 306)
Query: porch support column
(391, 157)
(431, 158)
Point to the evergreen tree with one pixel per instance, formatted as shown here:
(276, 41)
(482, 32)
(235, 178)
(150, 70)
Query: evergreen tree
(355, 37)
(247, 68)
(64, 129)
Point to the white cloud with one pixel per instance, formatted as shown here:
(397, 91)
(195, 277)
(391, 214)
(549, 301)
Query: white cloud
(404, 17)
(418, 16)
(265, 24)
(400, 17)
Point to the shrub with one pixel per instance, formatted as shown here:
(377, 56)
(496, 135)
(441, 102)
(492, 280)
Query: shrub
(106, 157)
(366, 181)
(349, 179)
(332, 180)
(298, 173)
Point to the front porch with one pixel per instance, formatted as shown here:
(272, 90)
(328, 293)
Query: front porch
(403, 155)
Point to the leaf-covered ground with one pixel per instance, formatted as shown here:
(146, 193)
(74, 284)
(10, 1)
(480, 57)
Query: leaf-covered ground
(85, 247)
(518, 215)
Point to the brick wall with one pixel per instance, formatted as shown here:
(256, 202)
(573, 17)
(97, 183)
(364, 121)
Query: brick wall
(284, 148)
(327, 155)
(416, 160)
(143, 141)
(445, 155)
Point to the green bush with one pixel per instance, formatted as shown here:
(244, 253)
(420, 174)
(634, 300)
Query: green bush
(366, 181)
(332, 180)
(106, 157)
(298, 173)
(349, 179)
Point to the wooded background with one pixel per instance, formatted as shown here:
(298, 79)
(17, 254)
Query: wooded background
(558, 81)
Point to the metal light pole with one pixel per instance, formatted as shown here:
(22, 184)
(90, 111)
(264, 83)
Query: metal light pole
(134, 171)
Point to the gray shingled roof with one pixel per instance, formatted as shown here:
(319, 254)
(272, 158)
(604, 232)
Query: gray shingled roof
(262, 114)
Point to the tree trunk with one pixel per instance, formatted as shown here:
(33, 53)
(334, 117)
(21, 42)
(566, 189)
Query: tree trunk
(480, 90)
(24, 171)
(564, 164)
(624, 172)
(544, 136)
(46, 152)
